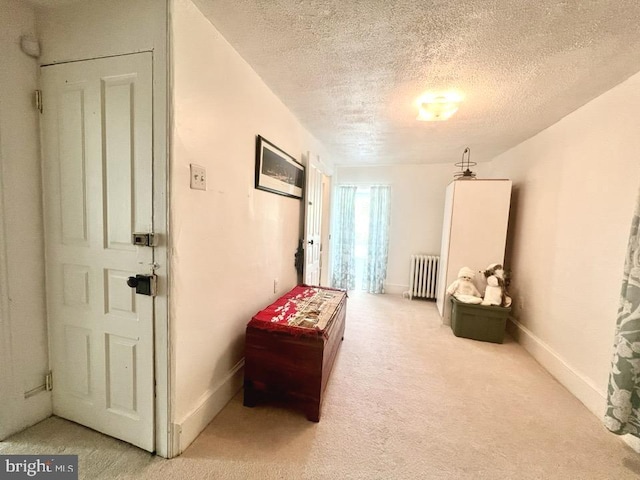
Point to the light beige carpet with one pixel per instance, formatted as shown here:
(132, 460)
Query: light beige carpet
(406, 400)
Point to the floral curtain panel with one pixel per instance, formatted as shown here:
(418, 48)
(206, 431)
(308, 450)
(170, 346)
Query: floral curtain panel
(623, 402)
(343, 265)
(378, 250)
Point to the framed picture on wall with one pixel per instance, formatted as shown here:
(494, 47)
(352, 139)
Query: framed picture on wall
(277, 171)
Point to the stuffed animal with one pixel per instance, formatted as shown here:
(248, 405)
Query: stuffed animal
(495, 269)
(463, 288)
(496, 291)
(493, 293)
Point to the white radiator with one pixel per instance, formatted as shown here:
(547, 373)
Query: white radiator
(424, 275)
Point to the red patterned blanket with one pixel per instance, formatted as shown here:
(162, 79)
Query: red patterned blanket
(304, 310)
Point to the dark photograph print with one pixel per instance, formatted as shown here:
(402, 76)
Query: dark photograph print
(277, 171)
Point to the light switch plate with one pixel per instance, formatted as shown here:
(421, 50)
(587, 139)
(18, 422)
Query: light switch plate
(198, 177)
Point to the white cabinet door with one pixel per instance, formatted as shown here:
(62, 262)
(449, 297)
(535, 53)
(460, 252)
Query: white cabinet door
(476, 220)
(444, 253)
(97, 149)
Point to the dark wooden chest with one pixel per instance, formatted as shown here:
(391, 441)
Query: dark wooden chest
(294, 364)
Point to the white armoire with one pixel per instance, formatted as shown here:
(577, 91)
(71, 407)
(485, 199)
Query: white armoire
(474, 231)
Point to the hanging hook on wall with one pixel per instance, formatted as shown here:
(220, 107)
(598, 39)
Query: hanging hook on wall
(465, 165)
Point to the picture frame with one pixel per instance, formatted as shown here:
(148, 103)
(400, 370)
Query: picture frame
(277, 171)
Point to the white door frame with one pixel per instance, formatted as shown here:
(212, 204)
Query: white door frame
(165, 394)
(164, 381)
(164, 361)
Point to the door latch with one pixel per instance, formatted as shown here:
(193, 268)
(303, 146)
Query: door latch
(144, 284)
(142, 239)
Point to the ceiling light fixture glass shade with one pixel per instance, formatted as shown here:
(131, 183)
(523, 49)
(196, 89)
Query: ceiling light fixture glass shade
(438, 107)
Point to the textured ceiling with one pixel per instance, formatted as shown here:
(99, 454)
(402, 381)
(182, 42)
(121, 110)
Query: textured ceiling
(352, 70)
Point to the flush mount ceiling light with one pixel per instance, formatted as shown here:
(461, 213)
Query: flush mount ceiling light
(434, 107)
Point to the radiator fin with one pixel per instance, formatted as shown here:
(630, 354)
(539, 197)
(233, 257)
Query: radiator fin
(423, 276)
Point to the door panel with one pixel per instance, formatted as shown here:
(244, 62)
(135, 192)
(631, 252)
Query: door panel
(73, 180)
(77, 353)
(97, 144)
(120, 375)
(313, 222)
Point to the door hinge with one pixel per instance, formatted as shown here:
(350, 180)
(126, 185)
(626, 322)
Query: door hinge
(48, 381)
(38, 96)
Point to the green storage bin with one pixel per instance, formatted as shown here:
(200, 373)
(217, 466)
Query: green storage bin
(479, 322)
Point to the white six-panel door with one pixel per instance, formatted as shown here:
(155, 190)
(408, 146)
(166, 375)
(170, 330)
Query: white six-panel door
(97, 167)
(313, 222)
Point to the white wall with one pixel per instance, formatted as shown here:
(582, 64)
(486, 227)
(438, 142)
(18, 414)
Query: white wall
(94, 28)
(23, 330)
(575, 185)
(231, 241)
(417, 210)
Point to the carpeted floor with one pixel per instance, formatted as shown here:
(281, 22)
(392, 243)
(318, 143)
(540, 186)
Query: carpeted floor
(406, 400)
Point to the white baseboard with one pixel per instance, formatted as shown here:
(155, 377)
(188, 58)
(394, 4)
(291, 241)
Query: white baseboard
(633, 442)
(580, 386)
(185, 432)
(395, 289)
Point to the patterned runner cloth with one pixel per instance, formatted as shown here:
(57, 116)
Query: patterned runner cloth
(302, 311)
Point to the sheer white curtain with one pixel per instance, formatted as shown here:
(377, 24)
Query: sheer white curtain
(343, 233)
(378, 253)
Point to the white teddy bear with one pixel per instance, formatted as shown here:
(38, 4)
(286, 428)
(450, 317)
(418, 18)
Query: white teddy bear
(463, 288)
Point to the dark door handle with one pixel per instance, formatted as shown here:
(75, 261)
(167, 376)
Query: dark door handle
(310, 242)
(144, 284)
